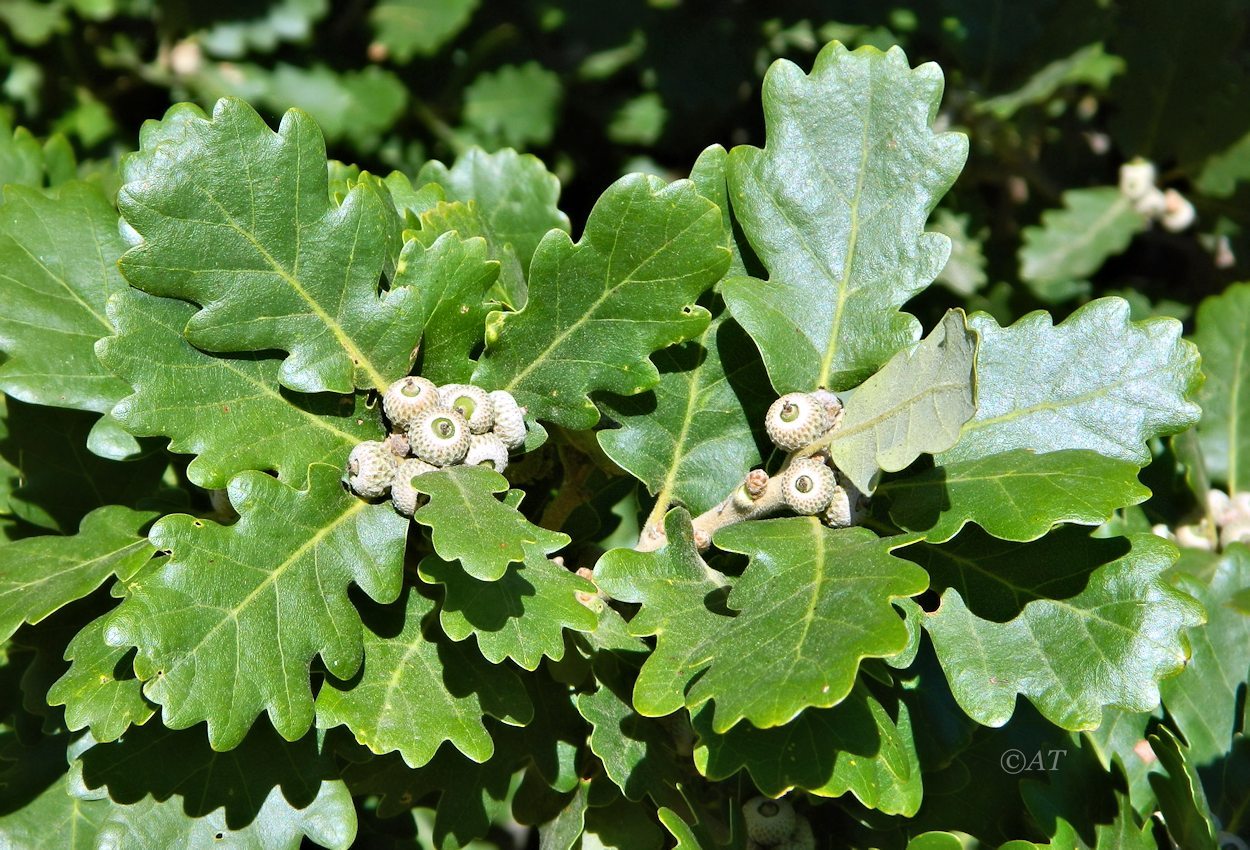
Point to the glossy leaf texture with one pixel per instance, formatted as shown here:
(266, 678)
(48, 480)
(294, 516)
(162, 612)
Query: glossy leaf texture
(58, 255)
(417, 692)
(1223, 337)
(513, 200)
(834, 206)
(267, 593)
(238, 219)
(41, 574)
(1072, 243)
(1072, 623)
(228, 410)
(916, 404)
(1096, 381)
(469, 524)
(599, 307)
(99, 691)
(521, 616)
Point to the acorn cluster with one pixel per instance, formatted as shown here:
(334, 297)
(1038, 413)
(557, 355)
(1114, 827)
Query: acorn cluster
(774, 824)
(811, 485)
(1229, 523)
(1167, 206)
(432, 427)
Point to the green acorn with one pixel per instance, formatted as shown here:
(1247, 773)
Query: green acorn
(472, 402)
(795, 420)
(439, 436)
(808, 486)
(768, 821)
(406, 398)
(370, 469)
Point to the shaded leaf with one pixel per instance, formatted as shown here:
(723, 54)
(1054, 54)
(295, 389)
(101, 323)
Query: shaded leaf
(1182, 801)
(467, 523)
(1095, 381)
(237, 417)
(1223, 171)
(602, 305)
(1015, 495)
(58, 253)
(916, 404)
(1223, 337)
(638, 753)
(521, 616)
(835, 206)
(1109, 644)
(54, 820)
(264, 29)
(416, 692)
(38, 575)
(1073, 242)
(269, 592)
(451, 277)
(854, 747)
(964, 273)
(814, 602)
(237, 219)
(514, 106)
(1089, 66)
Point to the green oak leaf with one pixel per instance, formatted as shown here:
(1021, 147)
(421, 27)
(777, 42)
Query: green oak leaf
(1095, 381)
(408, 28)
(93, 693)
(1073, 242)
(1223, 171)
(638, 753)
(467, 523)
(813, 603)
(39, 575)
(601, 306)
(168, 788)
(515, 199)
(916, 404)
(964, 273)
(283, 20)
(674, 587)
(1182, 799)
(1107, 644)
(834, 205)
(58, 252)
(451, 278)
(238, 417)
(21, 157)
(1203, 700)
(1224, 431)
(1089, 66)
(238, 219)
(515, 106)
(1015, 495)
(855, 746)
(417, 692)
(268, 592)
(465, 219)
(54, 820)
(691, 439)
(57, 481)
(521, 616)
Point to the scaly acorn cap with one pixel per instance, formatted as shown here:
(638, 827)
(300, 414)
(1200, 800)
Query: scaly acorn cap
(403, 495)
(768, 821)
(406, 398)
(808, 486)
(472, 402)
(509, 419)
(488, 450)
(370, 469)
(795, 420)
(439, 436)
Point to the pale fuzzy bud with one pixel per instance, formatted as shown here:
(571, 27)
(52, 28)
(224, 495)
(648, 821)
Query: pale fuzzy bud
(1163, 531)
(1235, 532)
(1191, 537)
(1239, 506)
(1218, 505)
(1137, 178)
(1178, 212)
(756, 483)
(1152, 204)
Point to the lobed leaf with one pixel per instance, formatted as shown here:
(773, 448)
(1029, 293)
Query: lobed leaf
(39, 575)
(1014, 495)
(266, 594)
(601, 306)
(54, 820)
(516, 105)
(1224, 430)
(408, 28)
(834, 206)
(916, 404)
(237, 417)
(813, 603)
(417, 692)
(95, 696)
(238, 219)
(522, 616)
(1109, 644)
(1096, 381)
(467, 523)
(638, 753)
